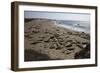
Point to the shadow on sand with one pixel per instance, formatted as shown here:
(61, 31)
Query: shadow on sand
(31, 55)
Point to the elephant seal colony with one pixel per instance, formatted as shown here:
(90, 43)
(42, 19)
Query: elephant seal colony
(43, 40)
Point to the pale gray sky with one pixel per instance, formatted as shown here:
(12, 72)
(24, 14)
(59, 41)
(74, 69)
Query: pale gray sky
(58, 15)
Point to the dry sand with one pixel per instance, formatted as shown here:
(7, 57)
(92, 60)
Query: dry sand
(43, 40)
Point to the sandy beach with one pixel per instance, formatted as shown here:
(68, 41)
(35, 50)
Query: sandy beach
(43, 40)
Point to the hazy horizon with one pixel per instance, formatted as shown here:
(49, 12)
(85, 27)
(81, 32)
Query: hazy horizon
(58, 15)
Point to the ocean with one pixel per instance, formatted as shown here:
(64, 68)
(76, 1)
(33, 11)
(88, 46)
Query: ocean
(81, 26)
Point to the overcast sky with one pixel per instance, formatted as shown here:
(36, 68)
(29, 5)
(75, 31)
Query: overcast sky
(57, 15)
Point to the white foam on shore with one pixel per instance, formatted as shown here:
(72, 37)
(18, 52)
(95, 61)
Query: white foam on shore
(75, 28)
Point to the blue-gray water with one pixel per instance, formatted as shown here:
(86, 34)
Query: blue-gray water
(81, 26)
